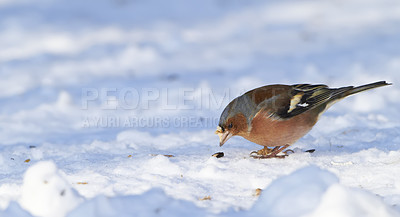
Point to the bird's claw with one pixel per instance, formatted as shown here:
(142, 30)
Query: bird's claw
(253, 153)
(268, 153)
(289, 151)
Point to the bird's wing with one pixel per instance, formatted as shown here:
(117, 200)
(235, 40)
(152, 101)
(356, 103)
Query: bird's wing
(301, 98)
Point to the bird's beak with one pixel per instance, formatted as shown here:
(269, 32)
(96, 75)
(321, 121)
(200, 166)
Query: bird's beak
(223, 136)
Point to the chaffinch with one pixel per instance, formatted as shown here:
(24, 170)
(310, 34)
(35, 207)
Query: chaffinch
(278, 115)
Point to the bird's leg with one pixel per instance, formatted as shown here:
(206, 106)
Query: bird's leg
(268, 153)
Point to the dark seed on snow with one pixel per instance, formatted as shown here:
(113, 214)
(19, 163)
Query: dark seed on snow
(311, 150)
(218, 154)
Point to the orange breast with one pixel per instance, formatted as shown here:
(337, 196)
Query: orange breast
(272, 132)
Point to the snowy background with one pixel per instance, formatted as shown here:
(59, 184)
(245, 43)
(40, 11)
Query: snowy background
(109, 107)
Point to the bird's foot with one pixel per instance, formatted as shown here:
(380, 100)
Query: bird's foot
(270, 153)
(264, 151)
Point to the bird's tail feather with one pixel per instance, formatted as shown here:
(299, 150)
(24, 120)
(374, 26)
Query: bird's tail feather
(365, 87)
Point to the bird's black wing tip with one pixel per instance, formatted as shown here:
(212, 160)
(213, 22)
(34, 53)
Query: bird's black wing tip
(383, 83)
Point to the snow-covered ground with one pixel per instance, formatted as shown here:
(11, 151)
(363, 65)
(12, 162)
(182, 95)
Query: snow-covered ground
(109, 107)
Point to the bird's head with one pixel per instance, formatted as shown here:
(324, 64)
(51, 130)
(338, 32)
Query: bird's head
(233, 126)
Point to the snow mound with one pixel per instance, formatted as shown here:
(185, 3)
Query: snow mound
(152, 203)
(46, 193)
(314, 192)
(341, 201)
(295, 194)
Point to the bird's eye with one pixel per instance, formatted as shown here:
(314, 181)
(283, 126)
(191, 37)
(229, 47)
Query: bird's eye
(230, 126)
